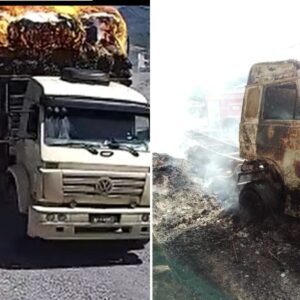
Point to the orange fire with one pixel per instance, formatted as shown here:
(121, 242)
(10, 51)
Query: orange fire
(119, 28)
(71, 10)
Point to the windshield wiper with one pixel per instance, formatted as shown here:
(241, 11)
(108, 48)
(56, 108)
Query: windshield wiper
(113, 144)
(88, 147)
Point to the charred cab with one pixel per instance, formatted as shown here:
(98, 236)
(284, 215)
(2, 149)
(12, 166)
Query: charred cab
(269, 135)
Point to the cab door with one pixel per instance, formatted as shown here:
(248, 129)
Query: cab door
(249, 122)
(278, 133)
(28, 146)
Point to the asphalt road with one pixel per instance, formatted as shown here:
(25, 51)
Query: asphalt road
(35, 269)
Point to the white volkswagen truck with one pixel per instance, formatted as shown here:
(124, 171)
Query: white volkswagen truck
(75, 151)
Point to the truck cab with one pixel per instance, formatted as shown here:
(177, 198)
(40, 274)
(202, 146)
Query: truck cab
(269, 139)
(78, 159)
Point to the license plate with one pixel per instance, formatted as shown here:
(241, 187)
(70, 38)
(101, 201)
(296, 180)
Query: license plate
(106, 219)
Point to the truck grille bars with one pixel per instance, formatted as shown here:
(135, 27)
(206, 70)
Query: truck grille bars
(115, 188)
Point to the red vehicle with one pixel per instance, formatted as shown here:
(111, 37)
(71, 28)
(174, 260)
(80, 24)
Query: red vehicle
(231, 107)
(219, 112)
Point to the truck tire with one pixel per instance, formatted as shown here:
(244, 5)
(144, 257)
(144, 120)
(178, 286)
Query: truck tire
(257, 200)
(20, 220)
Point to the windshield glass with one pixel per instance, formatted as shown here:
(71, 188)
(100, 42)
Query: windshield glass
(71, 125)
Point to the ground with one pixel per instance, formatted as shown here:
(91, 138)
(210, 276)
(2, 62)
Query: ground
(207, 246)
(35, 269)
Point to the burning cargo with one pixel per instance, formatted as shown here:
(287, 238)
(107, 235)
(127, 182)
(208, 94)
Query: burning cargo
(44, 40)
(45, 32)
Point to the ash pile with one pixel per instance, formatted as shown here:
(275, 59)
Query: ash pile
(246, 261)
(45, 42)
(179, 202)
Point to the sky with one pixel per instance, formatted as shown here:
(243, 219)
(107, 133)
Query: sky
(203, 45)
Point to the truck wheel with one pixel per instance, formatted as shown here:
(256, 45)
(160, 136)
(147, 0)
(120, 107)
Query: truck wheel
(20, 220)
(257, 200)
(251, 205)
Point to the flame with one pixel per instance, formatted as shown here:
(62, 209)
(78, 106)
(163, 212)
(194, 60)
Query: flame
(4, 21)
(119, 30)
(70, 10)
(20, 10)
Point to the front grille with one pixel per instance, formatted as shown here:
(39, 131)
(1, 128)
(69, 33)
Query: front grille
(125, 187)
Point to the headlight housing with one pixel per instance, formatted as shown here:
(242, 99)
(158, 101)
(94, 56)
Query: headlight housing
(146, 194)
(52, 185)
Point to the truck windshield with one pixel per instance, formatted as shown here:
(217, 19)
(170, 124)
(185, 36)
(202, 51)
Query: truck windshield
(96, 127)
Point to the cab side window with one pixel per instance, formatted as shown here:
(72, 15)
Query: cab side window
(251, 108)
(280, 102)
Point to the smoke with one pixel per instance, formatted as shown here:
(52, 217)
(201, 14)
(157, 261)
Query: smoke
(208, 49)
(215, 174)
(186, 112)
(191, 108)
(206, 45)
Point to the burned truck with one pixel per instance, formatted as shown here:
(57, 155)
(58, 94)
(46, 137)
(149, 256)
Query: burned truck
(269, 177)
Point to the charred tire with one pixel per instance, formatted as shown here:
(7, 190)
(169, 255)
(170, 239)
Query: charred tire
(257, 200)
(251, 206)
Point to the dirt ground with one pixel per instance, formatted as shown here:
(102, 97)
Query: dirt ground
(199, 232)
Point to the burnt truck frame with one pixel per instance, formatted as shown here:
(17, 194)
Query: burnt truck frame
(75, 190)
(269, 137)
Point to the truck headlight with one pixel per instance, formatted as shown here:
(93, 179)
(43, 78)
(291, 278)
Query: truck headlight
(62, 217)
(50, 217)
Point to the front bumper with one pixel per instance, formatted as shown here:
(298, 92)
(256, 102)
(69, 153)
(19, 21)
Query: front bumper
(76, 224)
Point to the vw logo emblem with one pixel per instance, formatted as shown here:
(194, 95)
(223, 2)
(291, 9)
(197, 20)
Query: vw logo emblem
(104, 185)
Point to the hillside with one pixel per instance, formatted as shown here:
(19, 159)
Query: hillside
(138, 22)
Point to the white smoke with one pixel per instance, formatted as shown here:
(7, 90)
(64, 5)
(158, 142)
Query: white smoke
(204, 45)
